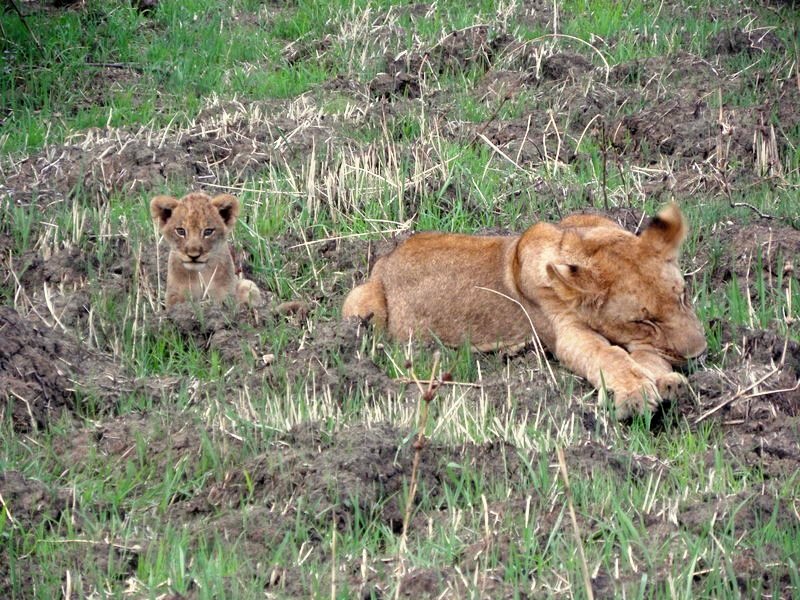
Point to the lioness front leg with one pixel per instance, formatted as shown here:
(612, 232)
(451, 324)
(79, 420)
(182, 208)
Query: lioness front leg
(590, 355)
(670, 385)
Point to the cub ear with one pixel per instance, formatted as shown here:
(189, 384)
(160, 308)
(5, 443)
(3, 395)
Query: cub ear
(666, 232)
(228, 208)
(570, 282)
(161, 208)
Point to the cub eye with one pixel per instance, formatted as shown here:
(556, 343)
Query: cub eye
(208, 232)
(180, 232)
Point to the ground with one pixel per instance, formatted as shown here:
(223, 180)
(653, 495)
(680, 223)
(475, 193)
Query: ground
(199, 452)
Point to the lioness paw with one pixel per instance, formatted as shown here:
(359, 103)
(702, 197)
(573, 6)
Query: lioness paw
(671, 386)
(635, 402)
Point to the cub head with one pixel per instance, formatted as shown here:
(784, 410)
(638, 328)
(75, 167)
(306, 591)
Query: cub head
(196, 225)
(630, 288)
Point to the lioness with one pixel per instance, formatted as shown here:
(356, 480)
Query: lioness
(612, 306)
(200, 263)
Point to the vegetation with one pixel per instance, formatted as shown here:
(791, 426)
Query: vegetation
(273, 455)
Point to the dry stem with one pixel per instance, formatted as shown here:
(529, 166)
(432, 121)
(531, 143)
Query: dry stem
(424, 402)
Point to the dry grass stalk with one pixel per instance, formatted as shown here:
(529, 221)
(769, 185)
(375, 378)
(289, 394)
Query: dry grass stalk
(333, 556)
(426, 396)
(724, 132)
(765, 151)
(742, 393)
(541, 353)
(10, 517)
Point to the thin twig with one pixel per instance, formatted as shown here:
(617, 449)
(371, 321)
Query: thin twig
(116, 65)
(135, 548)
(726, 188)
(419, 444)
(740, 394)
(604, 142)
(454, 383)
(486, 124)
(333, 556)
(22, 18)
(403, 228)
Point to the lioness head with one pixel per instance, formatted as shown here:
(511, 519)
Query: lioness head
(196, 225)
(629, 288)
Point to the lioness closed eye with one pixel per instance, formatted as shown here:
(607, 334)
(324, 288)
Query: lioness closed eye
(612, 306)
(200, 263)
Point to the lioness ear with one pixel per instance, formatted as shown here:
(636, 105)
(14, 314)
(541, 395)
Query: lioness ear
(228, 208)
(161, 208)
(569, 281)
(666, 232)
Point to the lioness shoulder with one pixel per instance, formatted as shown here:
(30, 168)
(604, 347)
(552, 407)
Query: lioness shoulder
(200, 265)
(612, 306)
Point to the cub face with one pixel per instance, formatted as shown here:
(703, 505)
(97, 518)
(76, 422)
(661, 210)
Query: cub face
(196, 226)
(630, 288)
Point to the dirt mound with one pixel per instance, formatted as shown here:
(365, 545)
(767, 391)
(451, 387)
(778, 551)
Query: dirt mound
(736, 41)
(233, 332)
(331, 360)
(31, 503)
(34, 372)
(225, 143)
(358, 470)
(171, 442)
(754, 251)
(736, 514)
(214, 327)
(759, 383)
(470, 48)
(591, 457)
(67, 266)
(773, 447)
(45, 373)
(543, 66)
(30, 506)
(674, 128)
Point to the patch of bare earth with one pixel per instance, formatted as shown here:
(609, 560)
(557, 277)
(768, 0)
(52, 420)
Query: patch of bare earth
(46, 373)
(30, 506)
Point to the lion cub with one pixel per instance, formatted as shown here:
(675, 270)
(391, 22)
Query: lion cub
(200, 262)
(612, 306)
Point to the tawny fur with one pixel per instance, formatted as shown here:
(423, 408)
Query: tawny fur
(610, 305)
(200, 264)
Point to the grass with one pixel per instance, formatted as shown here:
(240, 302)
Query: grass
(285, 475)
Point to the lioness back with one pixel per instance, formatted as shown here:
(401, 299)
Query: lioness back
(432, 293)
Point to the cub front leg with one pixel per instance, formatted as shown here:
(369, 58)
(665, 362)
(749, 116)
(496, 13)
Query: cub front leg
(247, 293)
(587, 353)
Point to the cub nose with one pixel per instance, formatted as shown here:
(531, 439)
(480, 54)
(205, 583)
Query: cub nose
(193, 254)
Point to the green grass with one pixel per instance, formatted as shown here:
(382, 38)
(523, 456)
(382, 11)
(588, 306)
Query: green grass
(155, 474)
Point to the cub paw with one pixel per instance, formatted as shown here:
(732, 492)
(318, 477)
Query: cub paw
(247, 293)
(672, 386)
